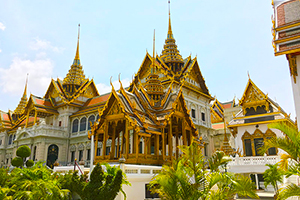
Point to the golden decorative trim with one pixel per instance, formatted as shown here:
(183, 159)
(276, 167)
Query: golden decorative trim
(293, 66)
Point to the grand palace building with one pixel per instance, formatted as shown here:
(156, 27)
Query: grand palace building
(166, 105)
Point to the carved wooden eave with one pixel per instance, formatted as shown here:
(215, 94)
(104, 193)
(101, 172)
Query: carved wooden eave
(179, 106)
(55, 90)
(215, 118)
(194, 71)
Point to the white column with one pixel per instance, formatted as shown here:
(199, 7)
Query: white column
(256, 181)
(296, 91)
(92, 155)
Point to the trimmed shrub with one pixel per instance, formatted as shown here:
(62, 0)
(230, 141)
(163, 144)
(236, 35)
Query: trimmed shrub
(17, 162)
(29, 163)
(23, 151)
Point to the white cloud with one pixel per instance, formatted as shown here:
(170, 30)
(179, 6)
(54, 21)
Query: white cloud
(2, 27)
(0, 50)
(39, 44)
(103, 88)
(12, 79)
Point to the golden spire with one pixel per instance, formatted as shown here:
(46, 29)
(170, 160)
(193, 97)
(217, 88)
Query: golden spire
(170, 33)
(170, 52)
(226, 148)
(75, 75)
(22, 104)
(77, 50)
(153, 85)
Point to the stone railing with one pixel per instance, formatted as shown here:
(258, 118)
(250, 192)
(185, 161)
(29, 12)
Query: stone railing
(44, 129)
(254, 160)
(141, 169)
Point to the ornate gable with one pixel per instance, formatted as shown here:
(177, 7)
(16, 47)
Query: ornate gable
(253, 97)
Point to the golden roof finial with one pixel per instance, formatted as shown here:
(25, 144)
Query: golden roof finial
(76, 75)
(153, 61)
(77, 50)
(170, 52)
(170, 33)
(22, 104)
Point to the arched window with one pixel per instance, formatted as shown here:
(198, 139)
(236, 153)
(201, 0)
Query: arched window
(75, 126)
(34, 153)
(91, 119)
(10, 139)
(83, 124)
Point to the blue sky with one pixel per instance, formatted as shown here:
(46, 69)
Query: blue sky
(230, 38)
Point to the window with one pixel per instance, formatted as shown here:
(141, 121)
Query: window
(98, 151)
(72, 156)
(141, 147)
(248, 148)
(80, 155)
(91, 119)
(0, 142)
(10, 140)
(193, 113)
(253, 143)
(88, 154)
(98, 117)
(75, 126)
(205, 149)
(59, 123)
(34, 153)
(83, 124)
(203, 116)
(258, 143)
(107, 151)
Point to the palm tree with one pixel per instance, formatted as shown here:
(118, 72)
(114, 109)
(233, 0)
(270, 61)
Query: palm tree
(188, 178)
(290, 161)
(217, 160)
(272, 176)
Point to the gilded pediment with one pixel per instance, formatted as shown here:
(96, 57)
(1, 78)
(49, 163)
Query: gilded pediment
(253, 97)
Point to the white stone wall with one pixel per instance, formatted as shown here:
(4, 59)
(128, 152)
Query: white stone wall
(251, 129)
(296, 91)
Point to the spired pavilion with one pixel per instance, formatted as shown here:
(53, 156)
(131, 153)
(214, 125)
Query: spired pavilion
(147, 123)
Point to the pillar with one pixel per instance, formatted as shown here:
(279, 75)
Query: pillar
(126, 133)
(163, 144)
(113, 142)
(170, 140)
(105, 137)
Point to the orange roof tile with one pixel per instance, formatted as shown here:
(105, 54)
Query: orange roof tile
(98, 100)
(43, 102)
(5, 117)
(218, 126)
(228, 105)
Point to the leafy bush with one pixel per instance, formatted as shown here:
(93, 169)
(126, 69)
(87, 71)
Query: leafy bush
(23, 151)
(29, 163)
(17, 162)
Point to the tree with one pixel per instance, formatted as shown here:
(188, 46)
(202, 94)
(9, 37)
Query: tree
(218, 159)
(290, 161)
(189, 178)
(272, 176)
(22, 153)
(103, 185)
